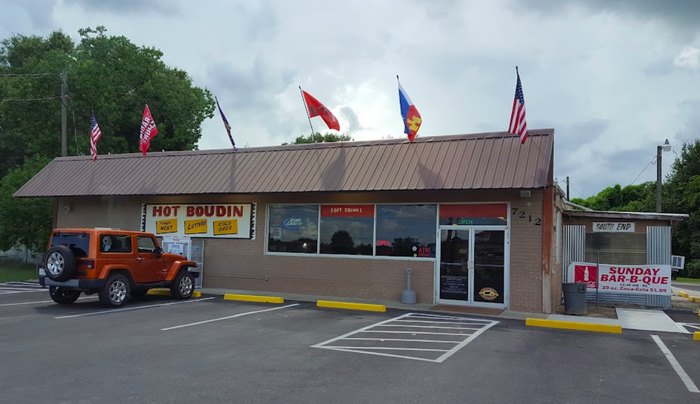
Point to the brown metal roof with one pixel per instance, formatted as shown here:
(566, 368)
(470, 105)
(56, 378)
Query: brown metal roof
(460, 162)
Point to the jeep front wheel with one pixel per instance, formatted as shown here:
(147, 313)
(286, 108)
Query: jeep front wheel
(183, 286)
(115, 293)
(62, 295)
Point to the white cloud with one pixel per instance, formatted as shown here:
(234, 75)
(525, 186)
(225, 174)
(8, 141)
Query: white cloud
(688, 58)
(603, 77)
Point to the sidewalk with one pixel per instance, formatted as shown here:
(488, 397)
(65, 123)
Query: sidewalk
(627, 318)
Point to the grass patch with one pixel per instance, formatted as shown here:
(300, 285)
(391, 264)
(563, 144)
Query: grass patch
(16, 271)
(687, 280)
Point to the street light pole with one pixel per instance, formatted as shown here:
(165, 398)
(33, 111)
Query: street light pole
(660, 148)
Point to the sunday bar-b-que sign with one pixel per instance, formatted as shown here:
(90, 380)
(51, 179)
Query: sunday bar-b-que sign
(234, 220)
(614, 278)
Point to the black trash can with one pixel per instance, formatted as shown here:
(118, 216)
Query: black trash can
(574, 298)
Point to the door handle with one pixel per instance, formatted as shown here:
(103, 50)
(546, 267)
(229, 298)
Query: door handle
(140, 258)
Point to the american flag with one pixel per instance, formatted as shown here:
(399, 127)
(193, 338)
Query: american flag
(95, 135)
(518, 125)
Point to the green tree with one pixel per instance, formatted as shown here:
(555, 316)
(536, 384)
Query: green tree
(632, 198)
(105, 74)
(318, 137)
(682, 195)
(25, 221)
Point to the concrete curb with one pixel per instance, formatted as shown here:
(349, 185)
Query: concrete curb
(573, 325)
(253, 298)
(330, 304)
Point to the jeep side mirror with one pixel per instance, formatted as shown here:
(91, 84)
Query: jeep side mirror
(158, 251)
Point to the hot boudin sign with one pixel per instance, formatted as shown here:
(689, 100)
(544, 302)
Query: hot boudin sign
(226, 220)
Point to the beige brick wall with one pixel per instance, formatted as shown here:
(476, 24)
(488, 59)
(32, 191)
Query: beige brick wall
(526, 253)
(242, 264)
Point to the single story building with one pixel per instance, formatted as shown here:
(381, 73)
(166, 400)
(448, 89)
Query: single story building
(477, 218)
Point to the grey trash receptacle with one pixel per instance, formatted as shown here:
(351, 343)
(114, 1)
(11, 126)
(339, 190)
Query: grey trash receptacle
(574, 298)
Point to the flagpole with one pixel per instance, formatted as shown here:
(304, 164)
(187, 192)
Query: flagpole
(306, 108)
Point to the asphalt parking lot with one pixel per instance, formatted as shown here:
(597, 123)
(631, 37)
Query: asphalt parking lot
(210, 350)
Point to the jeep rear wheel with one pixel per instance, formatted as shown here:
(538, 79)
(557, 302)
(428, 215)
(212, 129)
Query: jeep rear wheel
(63, 295)
(59, 263)
(183, 286)
(116, 291)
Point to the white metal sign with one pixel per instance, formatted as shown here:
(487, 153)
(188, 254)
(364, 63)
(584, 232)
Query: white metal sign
(613, 227)
(615, 278)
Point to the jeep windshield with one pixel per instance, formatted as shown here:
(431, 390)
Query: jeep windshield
(77, 242)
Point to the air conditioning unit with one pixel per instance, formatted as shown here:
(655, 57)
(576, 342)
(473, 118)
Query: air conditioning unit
(677, 262)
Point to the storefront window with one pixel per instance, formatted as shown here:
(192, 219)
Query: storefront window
(406, 230)
(293, 229)
(347, 229)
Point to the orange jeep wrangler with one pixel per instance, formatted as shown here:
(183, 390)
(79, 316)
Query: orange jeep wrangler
(116, 264)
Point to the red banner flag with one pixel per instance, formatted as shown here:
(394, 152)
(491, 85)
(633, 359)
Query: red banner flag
(315, 108)
(148, 130)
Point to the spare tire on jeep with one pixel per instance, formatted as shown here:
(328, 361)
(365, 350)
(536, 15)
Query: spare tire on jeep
(59, 263)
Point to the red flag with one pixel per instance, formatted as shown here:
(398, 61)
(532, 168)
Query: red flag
(315, 108)
(148, 130)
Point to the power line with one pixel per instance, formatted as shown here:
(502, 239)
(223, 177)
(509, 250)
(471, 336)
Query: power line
(29, 99)
(26, 74)
(643, 169)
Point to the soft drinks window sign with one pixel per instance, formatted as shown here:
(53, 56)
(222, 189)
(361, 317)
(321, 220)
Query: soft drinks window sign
(225, 220)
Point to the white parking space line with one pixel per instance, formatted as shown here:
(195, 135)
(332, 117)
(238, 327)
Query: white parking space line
(15, 291)
(695, 326)
(43, 301)
(150, 306)
(676, 366)
(407, 322)
(227, 317)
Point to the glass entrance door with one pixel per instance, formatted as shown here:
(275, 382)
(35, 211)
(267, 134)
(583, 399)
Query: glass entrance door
(489, 266)
(454, 264)
(472, 266)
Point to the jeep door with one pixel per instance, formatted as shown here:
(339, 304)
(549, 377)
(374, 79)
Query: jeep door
(151, 265)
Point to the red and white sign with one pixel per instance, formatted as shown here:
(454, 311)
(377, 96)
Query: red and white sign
(347, 210)
(615, 278)
(587, 274)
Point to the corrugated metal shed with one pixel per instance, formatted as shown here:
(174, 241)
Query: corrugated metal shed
(460, 162)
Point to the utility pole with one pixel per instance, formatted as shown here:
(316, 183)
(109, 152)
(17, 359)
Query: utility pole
(660, 148)
(567, 188)
(64, 114)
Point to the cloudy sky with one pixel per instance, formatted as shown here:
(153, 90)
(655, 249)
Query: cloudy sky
(614, 78)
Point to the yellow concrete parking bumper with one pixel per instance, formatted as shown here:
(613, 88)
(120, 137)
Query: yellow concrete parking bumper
(330, 304)
(573, 325)
(696, 336)
(166, 292)
(253, 298)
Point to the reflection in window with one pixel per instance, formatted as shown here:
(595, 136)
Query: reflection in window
(293, 228)
(406, 230)
(346, 235)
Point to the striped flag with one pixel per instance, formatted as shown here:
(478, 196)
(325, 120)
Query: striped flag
(518, 125)
(95, 135)
(409, 114)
